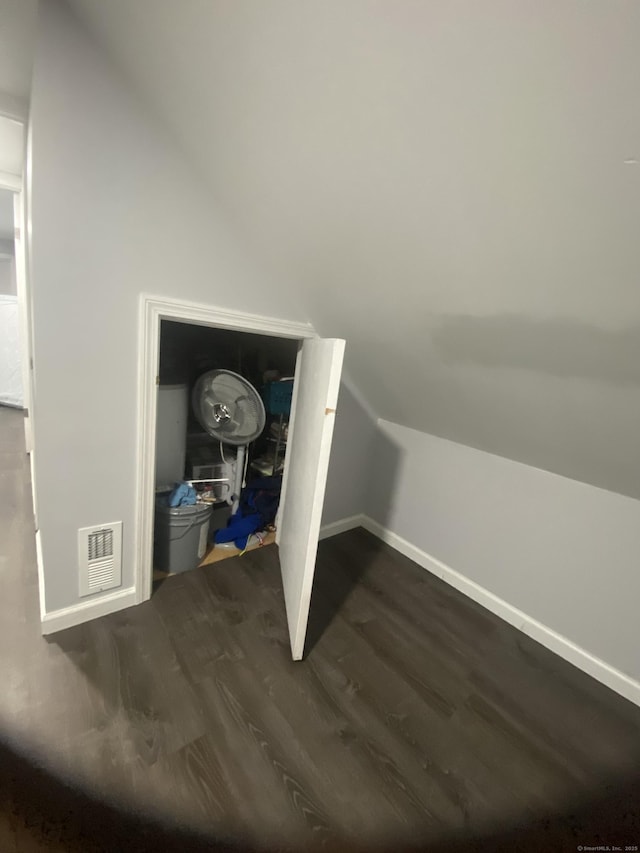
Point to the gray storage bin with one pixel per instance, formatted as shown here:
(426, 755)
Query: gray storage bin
(181, 535)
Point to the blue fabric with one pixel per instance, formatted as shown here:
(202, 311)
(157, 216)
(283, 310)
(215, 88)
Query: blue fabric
(182, 495)
(262, 495)
(238, 530)
(258, 507)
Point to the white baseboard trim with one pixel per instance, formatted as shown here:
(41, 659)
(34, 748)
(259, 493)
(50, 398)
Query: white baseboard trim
(83, 611)
(40, 568)
(579, 657)
(623, 684)
(341, 526)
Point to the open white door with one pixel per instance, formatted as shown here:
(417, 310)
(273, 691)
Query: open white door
(317, 383)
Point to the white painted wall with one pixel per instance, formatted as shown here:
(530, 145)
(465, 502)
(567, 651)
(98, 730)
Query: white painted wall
(115, 211)
(563, 552)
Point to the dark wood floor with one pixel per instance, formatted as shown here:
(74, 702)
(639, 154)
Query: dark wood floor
(417, 717)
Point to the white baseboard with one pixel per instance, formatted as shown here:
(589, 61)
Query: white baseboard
(341, 526)
(579, 657)
(68, 617)
(623, 684)
(40, 568)
(83, 611)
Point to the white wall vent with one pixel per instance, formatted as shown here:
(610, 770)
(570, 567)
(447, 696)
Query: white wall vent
(100, 557)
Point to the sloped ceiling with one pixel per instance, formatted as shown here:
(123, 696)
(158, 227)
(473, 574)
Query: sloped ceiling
(454, 187)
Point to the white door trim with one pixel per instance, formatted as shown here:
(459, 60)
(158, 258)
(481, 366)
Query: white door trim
(152, 310)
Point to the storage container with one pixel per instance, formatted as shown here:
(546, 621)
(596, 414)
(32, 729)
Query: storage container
(277, 397)
(205, 463)
(180, 537)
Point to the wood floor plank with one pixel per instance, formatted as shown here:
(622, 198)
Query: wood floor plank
(417, 717)
(264, 742)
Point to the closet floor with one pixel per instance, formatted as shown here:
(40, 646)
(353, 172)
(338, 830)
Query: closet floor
(216, 555)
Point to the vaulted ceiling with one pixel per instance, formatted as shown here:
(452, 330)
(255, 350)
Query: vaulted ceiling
(453, 186)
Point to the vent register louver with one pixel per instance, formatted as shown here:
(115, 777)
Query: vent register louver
(100, 557)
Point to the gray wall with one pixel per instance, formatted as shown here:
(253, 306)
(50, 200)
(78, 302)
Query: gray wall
(115, 211)
(350, 462)
(453, 186)
(8, 285)
(16, 55)
(563, 552)
(11, 391)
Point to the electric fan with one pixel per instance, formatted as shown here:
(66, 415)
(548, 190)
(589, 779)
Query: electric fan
(230, 409)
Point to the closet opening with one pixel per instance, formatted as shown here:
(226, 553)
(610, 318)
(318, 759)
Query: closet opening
(182, 342)
(224, 401)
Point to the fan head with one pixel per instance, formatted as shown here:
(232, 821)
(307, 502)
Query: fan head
(228, 407)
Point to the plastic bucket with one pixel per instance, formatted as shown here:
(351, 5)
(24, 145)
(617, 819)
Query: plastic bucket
(180, 536)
